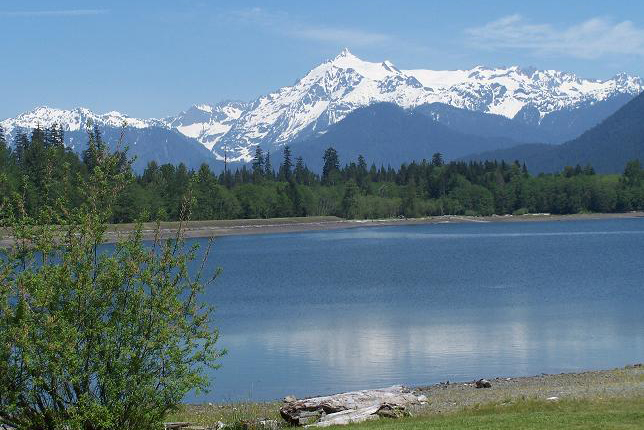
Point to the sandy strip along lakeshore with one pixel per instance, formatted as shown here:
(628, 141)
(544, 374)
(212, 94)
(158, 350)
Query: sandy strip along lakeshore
(214, 228)
(291, 225)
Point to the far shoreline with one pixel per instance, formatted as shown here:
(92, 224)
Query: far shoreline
(244, 227)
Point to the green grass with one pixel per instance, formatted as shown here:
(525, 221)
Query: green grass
(612, 413)
(207, 415)
(528, 414)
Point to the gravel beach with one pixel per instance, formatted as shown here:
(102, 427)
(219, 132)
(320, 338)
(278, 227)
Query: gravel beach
(623, 382)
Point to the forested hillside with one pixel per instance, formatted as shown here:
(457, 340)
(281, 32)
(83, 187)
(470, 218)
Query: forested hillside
(42, 170)
(392, 135)
(607, 147)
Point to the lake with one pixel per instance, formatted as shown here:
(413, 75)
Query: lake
(323, 312)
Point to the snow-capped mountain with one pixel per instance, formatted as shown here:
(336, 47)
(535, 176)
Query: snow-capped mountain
(72, 120)
(207, 123)
(526, 105)
(147, 139)
(338, 86)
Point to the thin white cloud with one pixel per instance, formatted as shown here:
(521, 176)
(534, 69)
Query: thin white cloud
(53, 13)
(288, 25)
(592, 39)
(343, 36)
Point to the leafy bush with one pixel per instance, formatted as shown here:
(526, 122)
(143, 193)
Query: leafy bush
(97, 337)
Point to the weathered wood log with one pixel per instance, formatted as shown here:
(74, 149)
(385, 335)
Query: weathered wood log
(344, 408)
(178, 425)
(348, 416)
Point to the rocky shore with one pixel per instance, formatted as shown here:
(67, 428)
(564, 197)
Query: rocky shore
(443, 398)
(624, 382)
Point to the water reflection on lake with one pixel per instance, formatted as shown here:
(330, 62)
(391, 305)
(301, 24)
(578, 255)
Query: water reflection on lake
(315, 313)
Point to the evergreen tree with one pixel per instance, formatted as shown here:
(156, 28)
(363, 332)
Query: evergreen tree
(362, 164)
(361, 173)
(22, 145)
(633, 174)
(50, 133)
(373, 173)
(331, 166)
(268, 168)
(5, 153)
(227, 179)
(350, 200)
(60, 136)
(300, 170)
(38, 135)
(96, 148)
(3, 139)
(437, 159)
(296, 199)
(36, 159)
(258, 165)
(54, 136)
(409, 200)
(286, 166)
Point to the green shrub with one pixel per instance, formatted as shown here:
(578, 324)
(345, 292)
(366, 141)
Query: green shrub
(91, 338)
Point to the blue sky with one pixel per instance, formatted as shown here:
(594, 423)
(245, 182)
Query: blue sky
(155, 58)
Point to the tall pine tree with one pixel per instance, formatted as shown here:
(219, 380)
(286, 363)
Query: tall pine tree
(268, 167)
(21, 143)
(286, 166)
(300, 171)
(331, 166)
(258, 165)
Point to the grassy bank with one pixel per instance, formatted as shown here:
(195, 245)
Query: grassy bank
(598, 399)
(609, 413)
(612, 413)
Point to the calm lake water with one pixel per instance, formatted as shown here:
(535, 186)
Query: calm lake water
(324, 312)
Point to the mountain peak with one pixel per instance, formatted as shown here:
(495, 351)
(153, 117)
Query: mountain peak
(344, 56)
(340, 85)
(371, 70)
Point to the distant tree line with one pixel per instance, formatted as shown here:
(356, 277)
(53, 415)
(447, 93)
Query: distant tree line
(40, 169)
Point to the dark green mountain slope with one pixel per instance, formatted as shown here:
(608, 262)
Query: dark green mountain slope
(151, 144)
(557, 127)
(388, 134)
(607, 146)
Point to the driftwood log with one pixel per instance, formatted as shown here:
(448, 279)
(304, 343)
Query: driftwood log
(345, 408)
